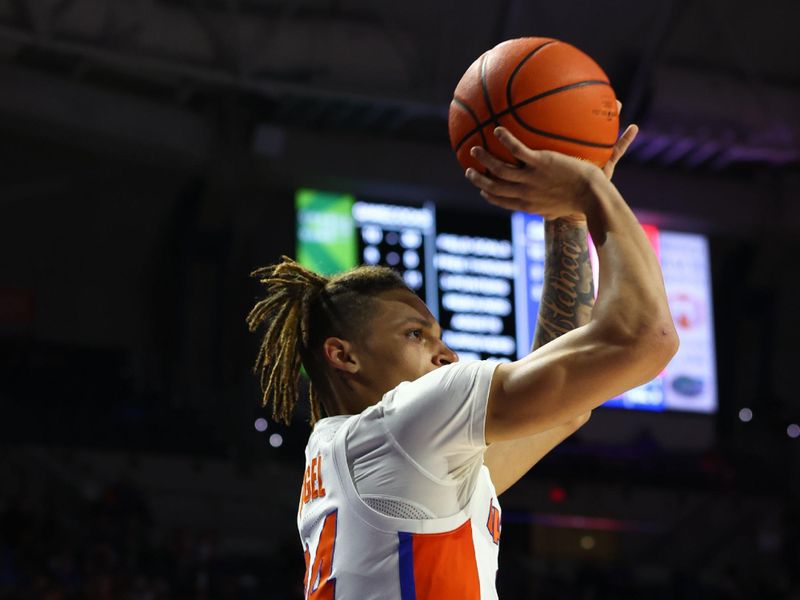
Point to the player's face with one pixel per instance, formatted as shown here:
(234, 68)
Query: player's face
(403, 341)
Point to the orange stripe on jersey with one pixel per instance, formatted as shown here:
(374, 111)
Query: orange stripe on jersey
(440, 566)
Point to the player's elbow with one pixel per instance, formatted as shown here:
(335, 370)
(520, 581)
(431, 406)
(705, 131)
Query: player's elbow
(580, 420)
(662, 342)
(648, 345)
(654, 347)
(655, 337)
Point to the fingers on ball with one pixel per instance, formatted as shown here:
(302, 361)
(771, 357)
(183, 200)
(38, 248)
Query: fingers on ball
(518, 150)
(497, 167)
(502, 201)
(498, 187)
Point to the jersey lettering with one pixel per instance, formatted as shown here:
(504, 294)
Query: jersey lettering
(318, 583)
(312, 481)
(493, 524)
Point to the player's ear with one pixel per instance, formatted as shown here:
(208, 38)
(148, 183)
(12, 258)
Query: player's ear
(339, 355)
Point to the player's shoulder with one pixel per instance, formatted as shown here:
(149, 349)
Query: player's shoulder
(452, 377)
(325, 429)
(454, 381)
(467, 369)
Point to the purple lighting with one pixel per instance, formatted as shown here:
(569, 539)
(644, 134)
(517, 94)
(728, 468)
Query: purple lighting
(581, 522)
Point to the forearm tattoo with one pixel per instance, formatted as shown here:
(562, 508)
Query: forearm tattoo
(568, 292)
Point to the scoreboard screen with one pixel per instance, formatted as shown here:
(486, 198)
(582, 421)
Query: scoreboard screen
(482, 276)
(474, 266)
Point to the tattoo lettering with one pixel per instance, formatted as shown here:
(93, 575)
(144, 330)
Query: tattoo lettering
(568, 292)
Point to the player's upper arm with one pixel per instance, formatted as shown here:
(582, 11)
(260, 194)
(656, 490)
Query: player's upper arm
(572, 375)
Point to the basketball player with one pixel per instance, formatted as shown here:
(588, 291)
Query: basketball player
(399, 497)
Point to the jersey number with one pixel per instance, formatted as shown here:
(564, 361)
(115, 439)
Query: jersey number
(494, 523)
(317, 581)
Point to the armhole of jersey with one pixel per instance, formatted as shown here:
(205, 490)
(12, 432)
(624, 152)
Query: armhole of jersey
(414, 463)
(372, 517)
(476, 426)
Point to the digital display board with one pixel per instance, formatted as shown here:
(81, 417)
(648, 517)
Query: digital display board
(527, 234)
(690, 378)
(400, 237)
(475, 269)
(482, 277)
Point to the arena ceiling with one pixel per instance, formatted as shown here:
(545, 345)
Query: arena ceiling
(716, 82)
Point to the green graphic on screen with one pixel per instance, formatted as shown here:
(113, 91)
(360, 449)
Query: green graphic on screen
(326, 232)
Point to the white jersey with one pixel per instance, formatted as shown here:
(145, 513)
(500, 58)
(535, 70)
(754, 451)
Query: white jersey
(396, 502)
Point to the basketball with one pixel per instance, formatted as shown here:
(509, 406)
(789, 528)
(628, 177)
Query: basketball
(548, 93)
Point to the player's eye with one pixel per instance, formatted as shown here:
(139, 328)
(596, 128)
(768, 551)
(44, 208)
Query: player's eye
(415, 334)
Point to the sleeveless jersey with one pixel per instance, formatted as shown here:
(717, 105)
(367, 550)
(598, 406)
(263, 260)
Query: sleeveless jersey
(428, 435)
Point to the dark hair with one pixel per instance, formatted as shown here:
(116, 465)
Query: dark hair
(301, 310)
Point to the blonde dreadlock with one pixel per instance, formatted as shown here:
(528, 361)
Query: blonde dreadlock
(300, 311)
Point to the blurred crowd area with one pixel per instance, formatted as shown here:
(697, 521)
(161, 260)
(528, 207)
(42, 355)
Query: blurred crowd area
(111, 547)
(609, 582)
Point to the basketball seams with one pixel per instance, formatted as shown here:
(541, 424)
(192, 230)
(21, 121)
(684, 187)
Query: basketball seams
(558, 90)
(563, 138)
(518, 119)
(511, 108)
(485, 88)
(517, 69)
(479, 129)
(557, 136)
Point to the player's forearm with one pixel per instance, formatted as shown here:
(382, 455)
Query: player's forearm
(568, 289)
(631, 302)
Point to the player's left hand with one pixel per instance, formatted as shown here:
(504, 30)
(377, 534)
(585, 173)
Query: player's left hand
(495, 165)
(624, 141)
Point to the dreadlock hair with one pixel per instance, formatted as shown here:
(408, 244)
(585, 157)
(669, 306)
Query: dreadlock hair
(300, 310)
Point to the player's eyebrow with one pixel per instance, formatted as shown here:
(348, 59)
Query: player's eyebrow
(423, 322)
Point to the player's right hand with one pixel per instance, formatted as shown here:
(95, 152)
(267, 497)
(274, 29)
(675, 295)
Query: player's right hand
(543, 182)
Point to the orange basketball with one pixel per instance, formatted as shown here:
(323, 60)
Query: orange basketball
(548, 93)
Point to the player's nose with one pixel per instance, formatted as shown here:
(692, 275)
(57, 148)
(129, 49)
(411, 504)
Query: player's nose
(444, 355)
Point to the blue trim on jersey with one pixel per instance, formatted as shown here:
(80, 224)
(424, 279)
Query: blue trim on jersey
(405, 551)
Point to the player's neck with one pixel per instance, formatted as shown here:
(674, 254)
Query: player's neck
(349, 399)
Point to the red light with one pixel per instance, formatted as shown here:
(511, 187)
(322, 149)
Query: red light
(557, 494)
